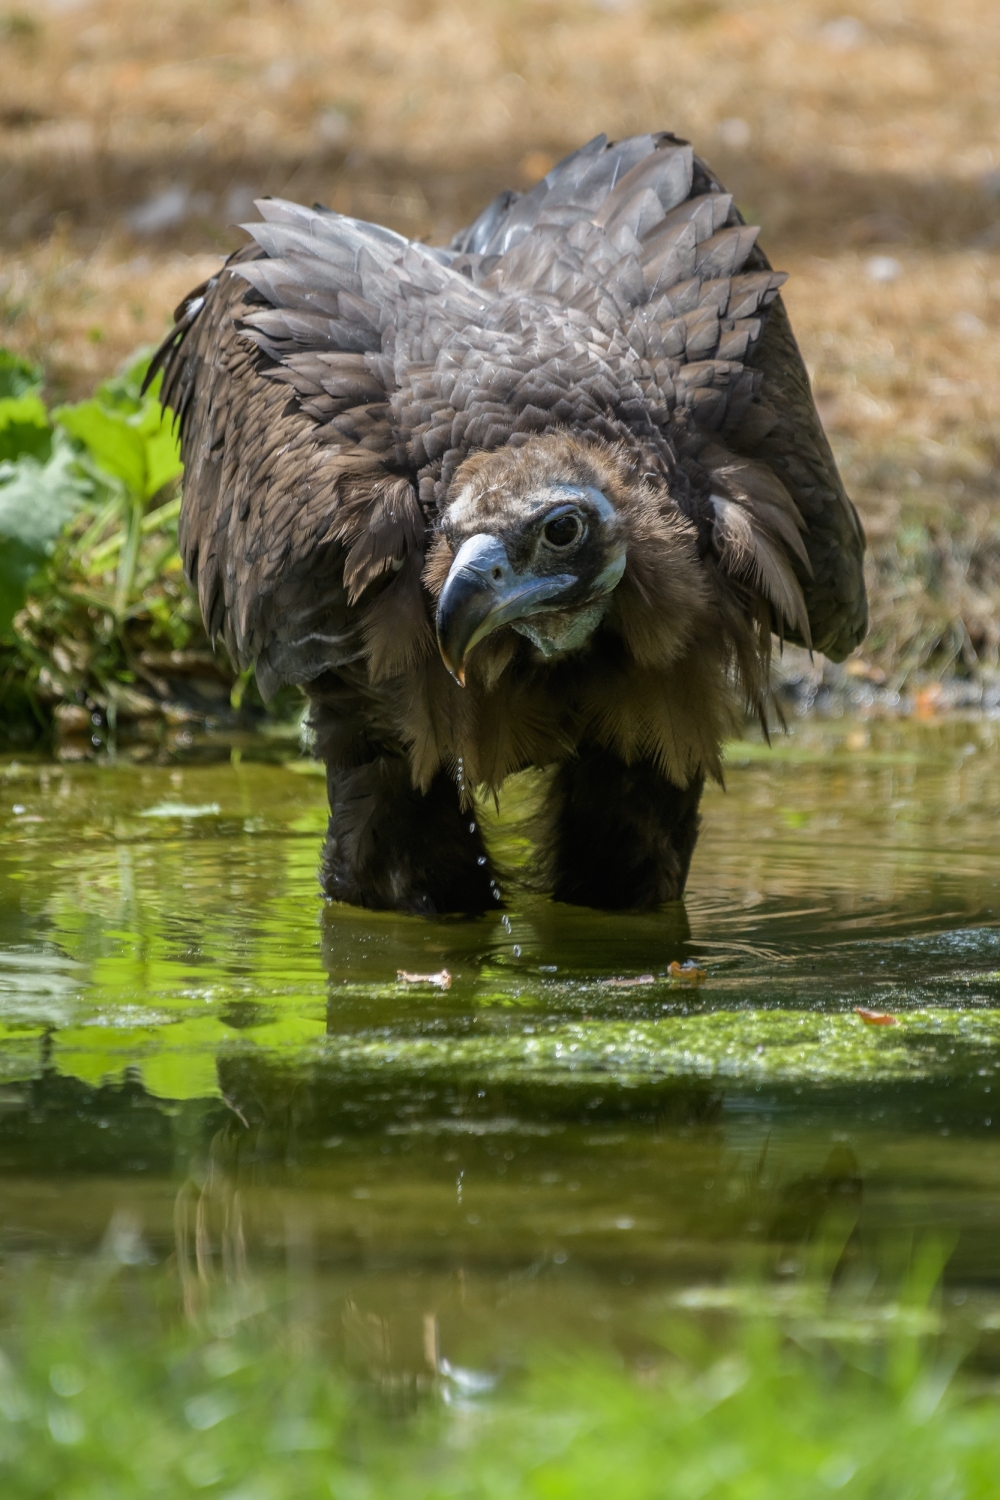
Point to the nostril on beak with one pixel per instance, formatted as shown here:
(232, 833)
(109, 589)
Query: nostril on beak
(497, 574)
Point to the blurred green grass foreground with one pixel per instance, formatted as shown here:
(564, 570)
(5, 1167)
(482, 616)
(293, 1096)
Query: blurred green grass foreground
(101, 643)
(105, 1394)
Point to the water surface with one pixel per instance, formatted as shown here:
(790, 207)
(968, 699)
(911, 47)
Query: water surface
(213, 1071)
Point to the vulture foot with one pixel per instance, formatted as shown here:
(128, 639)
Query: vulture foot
(620, 837)
(393, 848)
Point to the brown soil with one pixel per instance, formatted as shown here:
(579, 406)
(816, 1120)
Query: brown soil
(867, 145)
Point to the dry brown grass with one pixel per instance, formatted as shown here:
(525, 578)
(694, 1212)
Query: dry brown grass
(875, 135)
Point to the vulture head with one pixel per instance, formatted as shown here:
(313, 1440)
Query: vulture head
(534, 542)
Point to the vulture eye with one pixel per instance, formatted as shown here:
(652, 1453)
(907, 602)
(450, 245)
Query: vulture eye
(562, 531)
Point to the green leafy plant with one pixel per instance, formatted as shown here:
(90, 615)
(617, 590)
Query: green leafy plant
(98, 628)
(41, 484)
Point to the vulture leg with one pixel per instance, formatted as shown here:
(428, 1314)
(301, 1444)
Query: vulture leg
(388, 845)
(620, 836)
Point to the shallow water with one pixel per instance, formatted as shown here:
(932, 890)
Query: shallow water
(213, 1072)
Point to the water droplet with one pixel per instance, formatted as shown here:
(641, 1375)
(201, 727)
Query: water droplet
(472, 827)
(481, 860)
(505, 924)
(516, 951)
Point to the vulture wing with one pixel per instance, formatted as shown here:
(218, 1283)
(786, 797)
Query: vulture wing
(331, 379)
(727, 293)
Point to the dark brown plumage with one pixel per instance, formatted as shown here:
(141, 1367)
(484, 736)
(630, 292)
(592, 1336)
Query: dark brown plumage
(579, 446)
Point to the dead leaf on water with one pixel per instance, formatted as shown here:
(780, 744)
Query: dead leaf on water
(689, 971)
(441, 980)
(875, 1017)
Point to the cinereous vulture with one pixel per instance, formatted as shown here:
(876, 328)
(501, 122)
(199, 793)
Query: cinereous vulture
(537, 499)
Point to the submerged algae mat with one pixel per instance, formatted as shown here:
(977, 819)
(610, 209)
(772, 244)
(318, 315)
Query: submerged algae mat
(199, 1052)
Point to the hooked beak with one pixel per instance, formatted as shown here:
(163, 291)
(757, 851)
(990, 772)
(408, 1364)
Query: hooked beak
(483, 592)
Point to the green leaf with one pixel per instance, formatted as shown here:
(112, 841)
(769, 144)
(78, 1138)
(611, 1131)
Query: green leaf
(115, 446)
(17, 376)
(36, 501)
(136, 447)
(163, 453)
(24, 427)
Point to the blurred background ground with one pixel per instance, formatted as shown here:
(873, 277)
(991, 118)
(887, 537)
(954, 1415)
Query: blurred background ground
(866, 144)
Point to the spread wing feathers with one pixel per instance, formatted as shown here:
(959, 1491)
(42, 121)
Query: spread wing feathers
(791, 441)
(757, 530)
(760, 397)
(615, 303)
(747, 549)
(622, 296)
(262, 533)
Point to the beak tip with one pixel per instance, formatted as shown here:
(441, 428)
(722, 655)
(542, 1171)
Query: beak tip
(456, 673)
